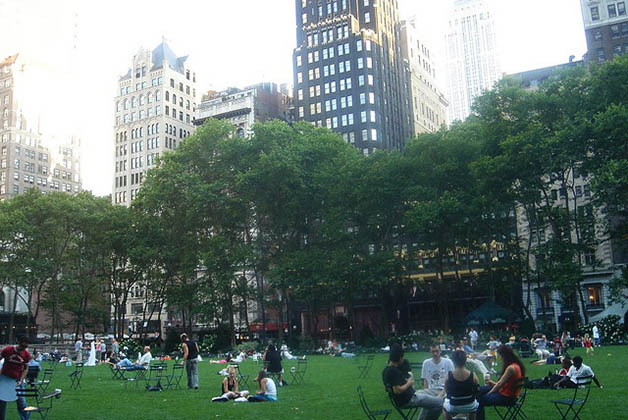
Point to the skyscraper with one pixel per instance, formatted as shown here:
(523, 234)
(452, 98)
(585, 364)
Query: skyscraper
(153, 114)
(428, 103)
(606, 29)
(349, 74)
(472, 61)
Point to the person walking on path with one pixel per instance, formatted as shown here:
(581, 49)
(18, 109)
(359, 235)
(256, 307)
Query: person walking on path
(190, 359)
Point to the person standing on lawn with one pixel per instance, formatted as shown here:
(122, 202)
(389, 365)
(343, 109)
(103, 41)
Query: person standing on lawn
(596, 335)
(473, 338)
(12, 375)
(78, 350)
(190, 359)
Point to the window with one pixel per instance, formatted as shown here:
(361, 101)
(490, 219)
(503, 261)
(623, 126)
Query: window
(367, 17)
(594, 295)
(597, 35)
(612, 10)
(615, 31)
(171, 83)
(617, 50)
(299, 60)
(595, 13)
(621, 8)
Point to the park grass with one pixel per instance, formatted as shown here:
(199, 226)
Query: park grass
(329, 392)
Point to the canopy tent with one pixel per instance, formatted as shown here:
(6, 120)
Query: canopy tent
(488, 313)
(619, 309)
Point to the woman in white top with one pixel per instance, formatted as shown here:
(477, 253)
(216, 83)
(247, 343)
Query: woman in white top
(268, 389)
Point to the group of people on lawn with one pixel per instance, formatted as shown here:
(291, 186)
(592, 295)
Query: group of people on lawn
(448, 387)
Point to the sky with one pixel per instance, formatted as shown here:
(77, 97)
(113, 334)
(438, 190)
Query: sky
(84, 46)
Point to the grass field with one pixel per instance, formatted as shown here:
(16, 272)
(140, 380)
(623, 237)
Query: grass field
(329, 392)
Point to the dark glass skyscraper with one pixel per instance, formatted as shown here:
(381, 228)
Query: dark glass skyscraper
(349, 74)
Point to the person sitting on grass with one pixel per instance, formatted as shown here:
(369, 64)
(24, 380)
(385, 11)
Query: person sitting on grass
(460, 383)
(230, 389)
(268, 389)
(575, 372)
(142, 362)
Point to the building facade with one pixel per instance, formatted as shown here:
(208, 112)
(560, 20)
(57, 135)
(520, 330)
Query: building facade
(600, 264)
(349, 74)
(428, 103)
(605, 28)
(25, 162)
(244, 107)
(472, 61)
(154, 112)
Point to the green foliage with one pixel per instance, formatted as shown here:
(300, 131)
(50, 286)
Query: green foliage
(611, 331)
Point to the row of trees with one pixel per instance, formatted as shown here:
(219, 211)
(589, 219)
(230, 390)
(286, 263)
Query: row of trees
(294, 216)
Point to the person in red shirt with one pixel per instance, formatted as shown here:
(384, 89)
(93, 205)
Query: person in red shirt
(12, 375)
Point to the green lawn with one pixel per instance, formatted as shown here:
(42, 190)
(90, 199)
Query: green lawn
(329, 393)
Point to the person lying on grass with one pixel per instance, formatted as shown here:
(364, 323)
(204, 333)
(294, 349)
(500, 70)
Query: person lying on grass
(268, 389)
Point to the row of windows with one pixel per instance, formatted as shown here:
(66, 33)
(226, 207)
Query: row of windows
(617, 51)
(120, 197)
(327, 35)
(136, 116)
(140, 100)
(614, 10)
(331, 8)
(41, 182)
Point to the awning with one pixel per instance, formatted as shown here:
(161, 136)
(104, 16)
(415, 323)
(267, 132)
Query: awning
(488, 313)
(619, 309)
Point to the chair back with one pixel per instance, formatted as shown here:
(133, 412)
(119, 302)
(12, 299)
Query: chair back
(301, 365)
(27, 392)
(363, 403)
(583, 387)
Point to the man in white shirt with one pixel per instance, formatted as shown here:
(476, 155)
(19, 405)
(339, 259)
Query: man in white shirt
(473, 337)
(433, 373)
(596, 335)
(577, 371)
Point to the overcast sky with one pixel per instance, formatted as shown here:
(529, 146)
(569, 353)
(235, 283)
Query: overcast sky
(86, 45)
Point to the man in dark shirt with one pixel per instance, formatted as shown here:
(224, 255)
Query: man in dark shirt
(402, 385)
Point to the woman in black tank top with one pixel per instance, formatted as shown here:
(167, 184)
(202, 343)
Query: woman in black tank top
(461, 387)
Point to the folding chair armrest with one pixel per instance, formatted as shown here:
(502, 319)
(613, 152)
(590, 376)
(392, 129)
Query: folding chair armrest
(56, 394)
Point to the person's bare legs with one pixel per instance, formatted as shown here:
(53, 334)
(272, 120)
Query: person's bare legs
(446, 415)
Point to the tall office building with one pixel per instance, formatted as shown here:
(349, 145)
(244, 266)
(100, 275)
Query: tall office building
(25, 161)
(606, 29)
(472, 61)
(244, 107)
(349, 74)
(428, 103)
(154, 112)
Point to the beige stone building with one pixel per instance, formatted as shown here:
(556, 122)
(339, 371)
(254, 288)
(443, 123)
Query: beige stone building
(25, 160)
(154, 110)
(429, 105)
